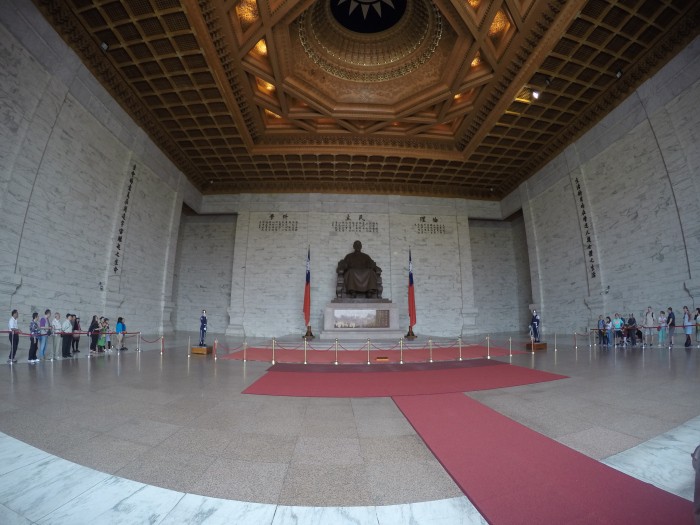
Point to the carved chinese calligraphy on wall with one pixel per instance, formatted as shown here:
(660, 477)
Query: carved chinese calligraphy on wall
(432, 226)
(281, 224)
(122, 225)
(360, 225)
(587, 236)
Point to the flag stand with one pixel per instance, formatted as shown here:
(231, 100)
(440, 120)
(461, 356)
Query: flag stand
(308, 334)
(410, 334)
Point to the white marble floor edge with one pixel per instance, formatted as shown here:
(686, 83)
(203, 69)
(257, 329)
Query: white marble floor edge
(38, 487)
(663, 461)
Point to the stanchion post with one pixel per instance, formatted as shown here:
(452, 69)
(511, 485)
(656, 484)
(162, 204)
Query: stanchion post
(575, 343)
(305, 349)
(336, 350)
(216, 344)
(430, 349)
(368, 358)
(401, 351)
(488, 347)
(510, 347)
(245, 348)
(162, 344)
(138, 341)
(189, 347)
(273, 350)
(459, 343)
(555, 341)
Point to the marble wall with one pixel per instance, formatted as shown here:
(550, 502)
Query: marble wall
(67, 156)
(202, 278)
(502, 288)
(638, 171)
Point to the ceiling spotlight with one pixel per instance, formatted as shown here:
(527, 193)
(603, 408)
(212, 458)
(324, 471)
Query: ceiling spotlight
(618, 73)
(104, 46)
(548, 81)
(535, 94)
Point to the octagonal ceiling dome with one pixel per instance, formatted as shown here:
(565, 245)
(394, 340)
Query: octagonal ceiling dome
(373, 41)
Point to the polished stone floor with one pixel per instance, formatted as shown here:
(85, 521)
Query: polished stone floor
(171, 439)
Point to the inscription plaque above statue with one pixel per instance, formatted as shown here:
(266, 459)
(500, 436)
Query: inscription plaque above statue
(358, 275)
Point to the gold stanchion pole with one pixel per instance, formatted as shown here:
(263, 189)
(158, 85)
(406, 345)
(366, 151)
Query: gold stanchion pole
(216, 344)
(401, 351)
(273, 350)
(245, 347)
(368, 358)
(305, 349)
(430, 349)
(162, 344)
(488, 347)
(138, 341)
(459, 342)
(575, 343)
(189, 347)
(336, 350)
(510, 347)
(555, 341)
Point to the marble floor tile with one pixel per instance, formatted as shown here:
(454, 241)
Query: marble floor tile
(10, 517)
(202, 510)
(42, 487)
(324, 515)
(453, 511)
(15, 454)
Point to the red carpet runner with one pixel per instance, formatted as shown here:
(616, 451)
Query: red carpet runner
(392, 380)
(513, 475)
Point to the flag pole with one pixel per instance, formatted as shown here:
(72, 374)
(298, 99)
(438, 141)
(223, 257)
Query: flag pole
(307, 297)
(411, 299)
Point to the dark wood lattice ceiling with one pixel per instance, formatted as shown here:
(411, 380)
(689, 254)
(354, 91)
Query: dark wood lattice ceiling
(231, 93)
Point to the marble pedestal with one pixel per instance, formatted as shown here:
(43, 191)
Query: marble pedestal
(361, 320)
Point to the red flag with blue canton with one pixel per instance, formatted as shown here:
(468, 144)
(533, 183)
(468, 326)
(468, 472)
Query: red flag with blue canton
(307, 289)
(411, 295)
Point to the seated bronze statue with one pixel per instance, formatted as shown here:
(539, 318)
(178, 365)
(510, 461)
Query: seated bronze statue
(358, 274)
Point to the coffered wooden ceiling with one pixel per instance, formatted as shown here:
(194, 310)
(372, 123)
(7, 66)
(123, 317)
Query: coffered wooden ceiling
(280, 96)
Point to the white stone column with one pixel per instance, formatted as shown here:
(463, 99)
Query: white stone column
(236, 310)
(469, 309)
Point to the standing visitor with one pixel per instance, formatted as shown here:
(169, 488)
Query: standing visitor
(45, 332)
(671, 323)
(697, 325)
(55, 338)
(662, 327)
(608, 330)
(102, 340)
(33, 338)
(649, 327)
(94, 332)
(120, 329)
(632, 330)
(688, 327)
(108, 334)
(76, 335)
(601, 330)
(67, 335)
(618, 323)
(13, 327)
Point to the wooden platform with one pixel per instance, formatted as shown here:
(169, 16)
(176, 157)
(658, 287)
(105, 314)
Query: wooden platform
(536, 347)
(200, 350)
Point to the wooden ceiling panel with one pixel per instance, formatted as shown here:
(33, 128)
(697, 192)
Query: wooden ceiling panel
(230, 94)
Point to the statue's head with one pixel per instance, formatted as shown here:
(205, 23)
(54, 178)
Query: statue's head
(357, 246)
